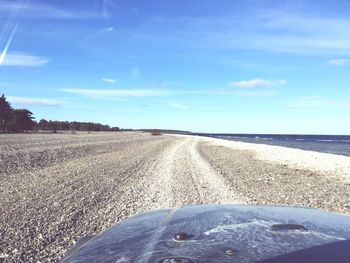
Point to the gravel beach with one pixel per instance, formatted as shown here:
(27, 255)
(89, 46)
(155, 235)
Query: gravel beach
(58, 188)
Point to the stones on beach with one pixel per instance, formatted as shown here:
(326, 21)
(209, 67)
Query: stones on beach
(56, 189)
(277, 184)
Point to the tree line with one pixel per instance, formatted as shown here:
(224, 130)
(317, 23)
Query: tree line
(45, 125)
(21, 120)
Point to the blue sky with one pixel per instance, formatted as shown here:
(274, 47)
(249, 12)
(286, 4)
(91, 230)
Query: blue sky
(205, 66)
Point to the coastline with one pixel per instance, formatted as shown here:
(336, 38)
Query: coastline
(326, 163)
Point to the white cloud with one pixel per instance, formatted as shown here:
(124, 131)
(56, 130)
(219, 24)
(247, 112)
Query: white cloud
(318, 101)
(109, 80)
(178, 105)
(337, 62)
(26, 101)
(120, 93)
(257, 83)
(24, 60)
(108, 29)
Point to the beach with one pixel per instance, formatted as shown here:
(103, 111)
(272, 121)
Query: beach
(58, 188)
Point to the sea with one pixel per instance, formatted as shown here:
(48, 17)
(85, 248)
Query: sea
(334, 144)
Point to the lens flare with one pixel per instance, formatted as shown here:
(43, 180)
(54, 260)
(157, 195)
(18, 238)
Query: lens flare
(18, 13)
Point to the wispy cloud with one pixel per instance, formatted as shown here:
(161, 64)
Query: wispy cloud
(239, 93)
(107, 29)
(27, 101)
(337, 62)
(40, 10)
(308, 33)
(272, 30)
(117, 93)
(178, 106)
(318, 101)
(249, 94)
(257, 83)
(256, 94)
(109, 80)
(99, 32)
(24, 60)
(7, 84)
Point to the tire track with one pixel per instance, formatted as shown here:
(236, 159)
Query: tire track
(182, 177)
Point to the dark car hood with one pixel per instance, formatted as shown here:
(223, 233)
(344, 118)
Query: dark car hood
(217, 233)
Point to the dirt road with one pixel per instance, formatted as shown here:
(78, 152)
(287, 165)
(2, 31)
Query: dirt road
(186, 178)
(56, 190)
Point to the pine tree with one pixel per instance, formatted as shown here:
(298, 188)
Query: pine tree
(21, 120)
(5, 113)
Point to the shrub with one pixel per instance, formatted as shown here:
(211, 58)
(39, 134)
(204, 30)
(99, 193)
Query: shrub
(156, 132)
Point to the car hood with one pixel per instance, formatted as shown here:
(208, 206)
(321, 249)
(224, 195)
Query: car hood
(219, 233)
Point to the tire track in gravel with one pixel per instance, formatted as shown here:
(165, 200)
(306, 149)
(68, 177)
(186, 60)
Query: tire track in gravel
(184, 177)
(210, 186)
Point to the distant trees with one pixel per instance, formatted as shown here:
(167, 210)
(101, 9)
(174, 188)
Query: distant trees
(20, 120)
(5, 113)
(44, 125)
(14, 120)
(73, 126)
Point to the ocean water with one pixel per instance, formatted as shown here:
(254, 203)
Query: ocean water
(335, 144)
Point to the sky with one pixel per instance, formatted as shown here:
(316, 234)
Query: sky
(220, 66)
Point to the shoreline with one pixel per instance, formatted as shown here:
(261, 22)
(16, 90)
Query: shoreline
(325, 163)
(267, 183)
